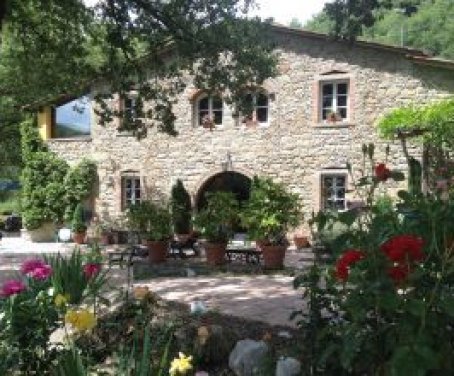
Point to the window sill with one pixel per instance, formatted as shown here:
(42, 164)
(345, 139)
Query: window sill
(334, 126)
(71, 139)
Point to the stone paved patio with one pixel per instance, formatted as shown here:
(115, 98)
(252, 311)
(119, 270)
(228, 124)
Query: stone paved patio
(269, 298)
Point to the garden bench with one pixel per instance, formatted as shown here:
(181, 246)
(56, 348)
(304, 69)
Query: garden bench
(177, 247)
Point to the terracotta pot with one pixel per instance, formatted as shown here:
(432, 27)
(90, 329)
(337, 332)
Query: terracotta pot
(157, 251)
(273, 256)
(182, 237)
(79, 237)
(45, 233)
(215, 253)
(106, 238)
(301, 241)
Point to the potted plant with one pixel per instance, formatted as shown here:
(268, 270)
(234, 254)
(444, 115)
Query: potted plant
(78, 226)
(181, 211)
(269, 213)
(333, 117)
(215, 224)
(301, 241)
(153, 221)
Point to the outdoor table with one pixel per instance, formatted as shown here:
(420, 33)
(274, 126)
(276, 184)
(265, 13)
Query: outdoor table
(244, 253)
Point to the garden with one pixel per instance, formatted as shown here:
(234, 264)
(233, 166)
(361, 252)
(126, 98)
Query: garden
(381, 303)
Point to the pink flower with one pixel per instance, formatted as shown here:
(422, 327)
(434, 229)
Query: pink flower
(30, 265)
(12, 287)
(91, 270)
(41, 273)
(36, 269)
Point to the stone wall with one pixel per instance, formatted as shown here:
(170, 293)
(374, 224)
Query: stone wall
(294, 148)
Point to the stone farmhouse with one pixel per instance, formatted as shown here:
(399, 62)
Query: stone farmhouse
(307, 122)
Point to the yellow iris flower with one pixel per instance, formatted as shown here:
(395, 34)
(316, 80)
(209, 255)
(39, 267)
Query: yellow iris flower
(82, 320)
(61, 300)
(180, 366)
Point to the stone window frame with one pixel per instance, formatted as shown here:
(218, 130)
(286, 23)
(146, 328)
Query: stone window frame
(324, 199)
(318, 199)
(197, 123)
(133, 175)
(255, 93)
(336, 77)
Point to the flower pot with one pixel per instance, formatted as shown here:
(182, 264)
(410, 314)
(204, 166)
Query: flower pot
(44, 234)
(157, 250)
(79, 237)
(106, 238)
(301, 241)
(215, 253)
(273, 256)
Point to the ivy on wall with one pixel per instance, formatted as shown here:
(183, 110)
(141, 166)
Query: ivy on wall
(51, 189)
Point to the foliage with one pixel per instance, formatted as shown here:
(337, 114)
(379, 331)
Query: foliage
(127, 42)
(270, 211)
(78, 224)
(385, 306)
(69, 278)
(216, 220)
(151, 220)
(435, 119)
(50, 188)
(423, 24)
(181, 208)
(78, 184)
(350, 16)
(43, 190)
(27, 318)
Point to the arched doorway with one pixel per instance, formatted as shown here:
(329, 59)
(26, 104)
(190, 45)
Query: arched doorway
(229, 181)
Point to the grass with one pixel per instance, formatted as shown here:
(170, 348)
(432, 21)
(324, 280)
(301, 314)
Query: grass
(9, 202)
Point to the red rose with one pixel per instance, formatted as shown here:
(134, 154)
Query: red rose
(382, 172)
(346, 260)
(399, 273)
(403, 248)
(91, 270)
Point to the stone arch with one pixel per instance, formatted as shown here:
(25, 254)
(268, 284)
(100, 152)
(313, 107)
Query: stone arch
(238, 182)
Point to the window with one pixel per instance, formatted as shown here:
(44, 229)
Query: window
(334, 101)
(131, 191)
(333, 192)
(130, 107)
(209, 111)
(257, 108)
(72, 119)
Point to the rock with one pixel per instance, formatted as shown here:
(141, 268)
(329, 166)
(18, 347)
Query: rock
(284, 334)
(198, 307)
(288, 367)
(213, 344)
(190, 273)
(247, 357)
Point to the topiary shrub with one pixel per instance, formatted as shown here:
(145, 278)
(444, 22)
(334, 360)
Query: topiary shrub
(181, 208)
(78, 185)
(78, 224)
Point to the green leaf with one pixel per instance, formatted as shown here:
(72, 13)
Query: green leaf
(416, 307)
(348, 217)
(447, 305)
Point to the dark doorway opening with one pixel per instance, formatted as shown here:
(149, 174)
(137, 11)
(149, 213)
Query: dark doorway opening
(230, 181)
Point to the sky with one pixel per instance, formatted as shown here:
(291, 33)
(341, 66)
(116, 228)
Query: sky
(284, 10)
(281, 10)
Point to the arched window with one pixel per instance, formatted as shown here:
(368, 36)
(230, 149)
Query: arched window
(209, 110)
(256, 108)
